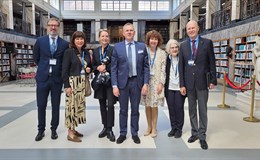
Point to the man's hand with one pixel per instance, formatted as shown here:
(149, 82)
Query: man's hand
(183, 91)
(116, 92)
(144, 89)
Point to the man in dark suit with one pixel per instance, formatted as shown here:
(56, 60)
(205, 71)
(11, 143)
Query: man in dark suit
(130, 78)
(48, 54)
(197, 71)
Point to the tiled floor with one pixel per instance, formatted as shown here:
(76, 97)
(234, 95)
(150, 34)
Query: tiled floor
(228, 136)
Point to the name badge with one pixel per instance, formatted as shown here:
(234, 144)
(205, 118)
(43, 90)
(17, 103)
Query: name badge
(53, 61)
(82, 72)
(190, 62)
(151, 74)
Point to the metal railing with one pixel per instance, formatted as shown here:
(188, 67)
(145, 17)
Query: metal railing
(249, 8)
(221, 18)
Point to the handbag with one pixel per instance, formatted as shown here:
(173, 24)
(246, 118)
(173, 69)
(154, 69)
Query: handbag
(87, 87)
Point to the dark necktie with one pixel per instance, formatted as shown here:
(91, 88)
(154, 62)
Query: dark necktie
(130, 60)
(194, 49)
(53, 45)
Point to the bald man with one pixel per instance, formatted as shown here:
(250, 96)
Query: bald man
(197, 71)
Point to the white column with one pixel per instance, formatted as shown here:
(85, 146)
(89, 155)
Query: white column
(194, 12)
(173, 28)
(183, 21)
(97, 27)
(8, 6)
(135, 23)
(210, 8)
(33, 25)
(235, 10)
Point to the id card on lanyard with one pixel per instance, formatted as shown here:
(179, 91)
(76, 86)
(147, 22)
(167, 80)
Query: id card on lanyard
(82, 63)
(151, 62)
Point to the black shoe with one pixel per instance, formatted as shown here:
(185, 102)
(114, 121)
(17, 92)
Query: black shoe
(54, 135)
(136, 139)
(172, 133)
(111, 136)
(120, 139)
(192, 139)
(103, 133)
(203, 144)
(39, 136)
(178, 133)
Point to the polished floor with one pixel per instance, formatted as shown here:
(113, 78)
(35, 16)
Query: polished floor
(228, 136)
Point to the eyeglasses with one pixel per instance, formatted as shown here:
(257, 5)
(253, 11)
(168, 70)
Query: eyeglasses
(53, 25)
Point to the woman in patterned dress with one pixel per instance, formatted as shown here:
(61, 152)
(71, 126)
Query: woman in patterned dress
(155, 95)
(76, 64)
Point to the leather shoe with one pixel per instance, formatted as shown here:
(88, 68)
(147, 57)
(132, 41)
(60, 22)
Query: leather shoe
(120, 139)
(78, 134)
(54, 135)
(39, 136)
(103, 133)
(171, 133)
(192, 139)
(178, 133)
(136, 139)
(111, 136)
(74, 138)
(203, 144)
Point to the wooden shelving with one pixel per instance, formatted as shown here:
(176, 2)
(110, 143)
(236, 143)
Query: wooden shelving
(222, 61)
(244, 67)
(24, 55)
(5, 61)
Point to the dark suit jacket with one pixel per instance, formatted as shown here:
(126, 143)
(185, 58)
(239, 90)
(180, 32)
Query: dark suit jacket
(42, 56)
(72, 65)
(119, 65)
(204, 64)
(100, 93)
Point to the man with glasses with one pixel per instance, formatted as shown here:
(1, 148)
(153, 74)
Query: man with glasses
(48, 54)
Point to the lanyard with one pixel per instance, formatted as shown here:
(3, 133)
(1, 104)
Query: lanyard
(82, 60)
(105, 52)
(176, 66)
(151, 60)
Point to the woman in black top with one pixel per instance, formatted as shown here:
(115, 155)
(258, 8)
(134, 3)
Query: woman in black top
(102, 84)
(76, 64)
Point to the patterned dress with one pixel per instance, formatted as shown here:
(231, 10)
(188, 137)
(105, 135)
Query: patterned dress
(152, 99)
(75, 106)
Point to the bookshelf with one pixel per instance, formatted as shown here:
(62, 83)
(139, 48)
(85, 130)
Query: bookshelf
(24, 55)
(222, 61)
(161, 26)
(5, 61)
(243, 65)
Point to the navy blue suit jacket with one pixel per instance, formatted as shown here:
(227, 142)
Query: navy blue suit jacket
(203, 71)
(119, 65)
(42, 56)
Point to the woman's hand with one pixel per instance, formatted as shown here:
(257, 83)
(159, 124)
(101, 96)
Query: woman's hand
(159, 88)
(88, 70)
(101, 68)
(68, 91)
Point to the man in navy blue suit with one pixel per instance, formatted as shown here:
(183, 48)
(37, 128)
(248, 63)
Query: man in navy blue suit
(48, 54)
(197, 70)
(130, 78)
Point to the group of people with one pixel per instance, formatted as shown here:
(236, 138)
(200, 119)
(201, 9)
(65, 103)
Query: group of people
(129, 71)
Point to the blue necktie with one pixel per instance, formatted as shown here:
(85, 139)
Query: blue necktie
(130, 63)
(53, 45)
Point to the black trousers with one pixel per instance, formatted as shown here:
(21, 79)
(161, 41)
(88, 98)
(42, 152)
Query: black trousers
(107, 110)
(175, 102)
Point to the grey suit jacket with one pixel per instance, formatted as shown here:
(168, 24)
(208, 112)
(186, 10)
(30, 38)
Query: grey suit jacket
(203, 71)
